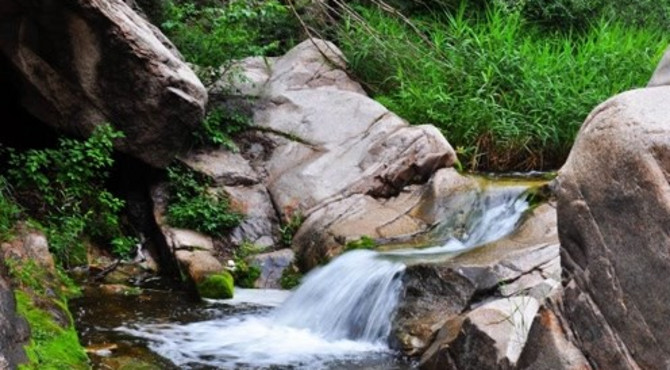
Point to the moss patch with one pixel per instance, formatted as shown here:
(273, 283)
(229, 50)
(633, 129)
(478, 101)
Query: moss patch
(51, 345)
(41, 298)
(217, 286)
(365, 242)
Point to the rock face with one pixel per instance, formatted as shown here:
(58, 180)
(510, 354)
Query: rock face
(320, 149)
(80, 63)
(346, 142)
(614, 216)
(437, 296)
(497, 330)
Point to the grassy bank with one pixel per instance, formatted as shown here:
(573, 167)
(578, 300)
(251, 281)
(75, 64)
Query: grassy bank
(507, 93)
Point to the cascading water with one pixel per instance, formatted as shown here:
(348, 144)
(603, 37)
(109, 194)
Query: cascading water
(341, 311)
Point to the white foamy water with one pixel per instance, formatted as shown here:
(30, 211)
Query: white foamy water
(341, 311)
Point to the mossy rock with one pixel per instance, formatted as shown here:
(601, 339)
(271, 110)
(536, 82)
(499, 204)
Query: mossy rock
(217, 286)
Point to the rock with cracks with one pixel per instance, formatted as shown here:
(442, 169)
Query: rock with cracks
(614, 216)
(80, 63)
(523, 264)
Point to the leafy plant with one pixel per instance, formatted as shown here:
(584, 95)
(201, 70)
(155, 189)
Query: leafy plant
(193, 206)
(245, 273)
(220, 125)
(290, 277)
(288, 230)
(64, 187)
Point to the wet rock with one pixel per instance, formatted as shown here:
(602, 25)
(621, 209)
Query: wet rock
(127, 363)
(408, 216)
(80, 63)
(432, 295)
(524, 259)
(524, 263)
(119, 289)
(326, 232)
(492, 336)
(613, 217)
(272, 265)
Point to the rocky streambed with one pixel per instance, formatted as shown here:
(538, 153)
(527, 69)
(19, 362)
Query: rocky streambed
(361, 310)
(579, 285)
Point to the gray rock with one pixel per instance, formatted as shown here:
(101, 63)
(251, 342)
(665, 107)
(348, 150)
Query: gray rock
(14, 330)
(272, 265)
(548, 346)
(28, 244)
(260, 225)
(223, 166)
(613, 217)
(340, 142)
(661, 75)
(522, 264)
(491, 336)
(80, 63)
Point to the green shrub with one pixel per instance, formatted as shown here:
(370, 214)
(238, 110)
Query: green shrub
(506, 94)
(290, 278)
(246, 274)
(289, 228)
(193, 206)
(64, 187)
(211, 35)
(220, 125)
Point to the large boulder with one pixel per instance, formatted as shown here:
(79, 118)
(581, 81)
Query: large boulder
(80, 63)
(328, 138)
(614, 221)
(321, 150)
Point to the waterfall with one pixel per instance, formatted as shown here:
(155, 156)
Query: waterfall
(340, 311)
(352, 297)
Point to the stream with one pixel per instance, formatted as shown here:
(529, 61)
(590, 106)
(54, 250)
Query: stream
(340, 317)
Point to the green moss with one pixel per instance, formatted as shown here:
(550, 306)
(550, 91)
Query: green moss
(217, 286)
(365, 242)
(51, 346)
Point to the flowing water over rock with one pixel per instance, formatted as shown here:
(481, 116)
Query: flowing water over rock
(340, 317)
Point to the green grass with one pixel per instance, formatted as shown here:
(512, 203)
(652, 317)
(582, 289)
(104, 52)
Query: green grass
(507, 95)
